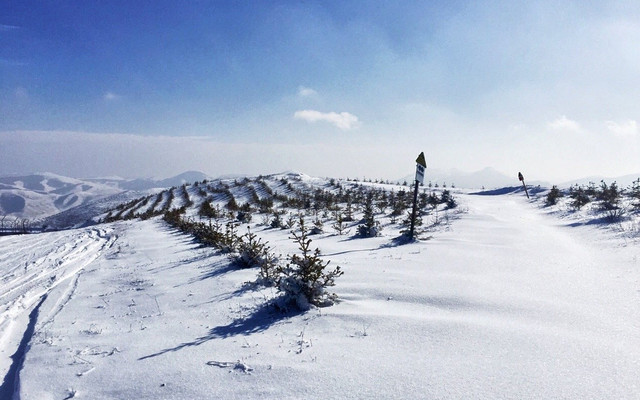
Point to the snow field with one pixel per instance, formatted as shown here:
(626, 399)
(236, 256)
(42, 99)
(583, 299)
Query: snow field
(503, 303)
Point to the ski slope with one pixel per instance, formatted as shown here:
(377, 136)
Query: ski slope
(504, 302)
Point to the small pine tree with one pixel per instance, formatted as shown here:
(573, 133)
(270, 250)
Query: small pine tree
(634, 192)
(609, 197)
(290, 223)
(423, 200)
(243, 217)
(553, 196)
(579, 196)
(276, 222)
(339, 224)
(253, 253)
(406, 223)
(232, 205)
(382, 205)
(250, 249)
(369, 226)
(451, 202)
(305, 279)
(349, 210)
(448, 199)
(591, 190)
(229, 240)
(318, 226)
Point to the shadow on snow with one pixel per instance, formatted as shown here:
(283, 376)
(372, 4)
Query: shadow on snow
(261, 319)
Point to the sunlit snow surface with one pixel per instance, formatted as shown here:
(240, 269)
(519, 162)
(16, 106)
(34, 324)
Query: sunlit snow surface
(505, 302)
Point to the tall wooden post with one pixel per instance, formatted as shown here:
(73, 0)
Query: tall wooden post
(521, 178)
(414, 210)
(421, 165)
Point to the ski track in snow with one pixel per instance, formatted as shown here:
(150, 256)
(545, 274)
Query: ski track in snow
(32, 267)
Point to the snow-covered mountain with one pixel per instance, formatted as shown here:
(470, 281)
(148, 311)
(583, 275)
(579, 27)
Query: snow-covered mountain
(66, 201)
(142, 184)
(44, 194)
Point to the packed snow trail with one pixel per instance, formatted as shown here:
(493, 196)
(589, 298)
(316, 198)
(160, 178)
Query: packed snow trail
(502, 303)
(32, 266)
(11, 382)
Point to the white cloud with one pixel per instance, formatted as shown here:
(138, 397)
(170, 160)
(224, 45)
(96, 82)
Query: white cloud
(343, 120)
(110, 96)
(565, 124)
(21, 93)
(628, 128)
(517, 127)
(306, 92)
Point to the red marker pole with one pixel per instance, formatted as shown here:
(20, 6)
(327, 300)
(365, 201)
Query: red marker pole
(521, 178)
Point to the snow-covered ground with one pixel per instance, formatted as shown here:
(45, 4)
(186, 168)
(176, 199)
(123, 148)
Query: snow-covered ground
(505, 302)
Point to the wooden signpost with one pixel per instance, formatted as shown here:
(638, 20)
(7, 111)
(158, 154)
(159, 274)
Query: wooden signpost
(421, 166)
(521, 178)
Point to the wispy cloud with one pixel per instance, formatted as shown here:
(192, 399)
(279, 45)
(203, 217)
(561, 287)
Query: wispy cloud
(343, 120)
(565, 124)
(11, 63)
(7, 28)
(627, 128)
(306, 92)
(110, 96)
(21, 93)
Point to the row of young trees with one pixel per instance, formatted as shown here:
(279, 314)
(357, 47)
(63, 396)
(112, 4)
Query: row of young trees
(303, 279)
(336, 204)
(398, 183)
(609, 198)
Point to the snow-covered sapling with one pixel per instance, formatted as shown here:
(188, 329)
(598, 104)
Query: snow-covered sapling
(250, 249)
(276, 222)
(305, 278)
(229, 240)
(252, 252)
(579, 196)
(553, 196)
(339, 224)
(369, 226)
(318, 226)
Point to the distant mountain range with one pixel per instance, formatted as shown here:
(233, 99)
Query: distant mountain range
(621, 181)
(487, 178)
(148, 183)
(42, 195)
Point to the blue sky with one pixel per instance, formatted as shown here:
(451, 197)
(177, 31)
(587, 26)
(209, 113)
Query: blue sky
(346, 87)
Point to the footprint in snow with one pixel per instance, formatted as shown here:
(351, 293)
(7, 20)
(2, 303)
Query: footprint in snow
(236, 366)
